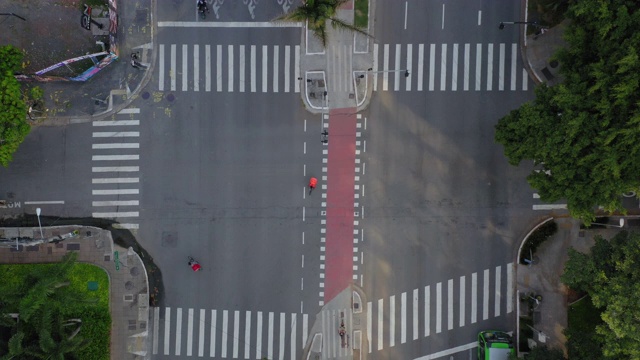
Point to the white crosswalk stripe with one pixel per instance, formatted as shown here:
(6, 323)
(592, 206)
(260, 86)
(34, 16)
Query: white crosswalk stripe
(234, 67)
(444, 297)
(114, 154)
(454, 63)
(236, 334)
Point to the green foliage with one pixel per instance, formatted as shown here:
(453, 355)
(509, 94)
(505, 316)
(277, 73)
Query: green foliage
(611, 277)
(582, 340)
(536, 238)
(544, 353)
(13, 110)
(361, 14)
(584, 134)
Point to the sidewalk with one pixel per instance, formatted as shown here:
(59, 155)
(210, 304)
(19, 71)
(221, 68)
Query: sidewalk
(129, 287)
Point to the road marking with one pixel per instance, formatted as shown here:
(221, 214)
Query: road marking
(212, 338)
(230, 68)
(396, 83)
(478, 66)
(115, 180)
(432, 66)
(467, 48)
(54, 202)
(116, 203)
(172, 73)
(509, 288)
(225, 332)
(438, 308)
(270, 337)
(276, 64)
(126, 226)
(427, 309)
(241, 56)
(185, 68)
(196, 67)
(230, 24)
(167, 329)
(392, 321)
(305, 329)
(536, 196)
(259, 336)
(406, 7)
(294, 321)
(369, 320)
(282, 336)
(474, 298)
(253, 68)
(104, 134)
(415, 314)
(443, 67)
(498, 291)
(161, 69)
(462, 300)
(450, 304)
(375, 67)
(156, 329)
(385, 68)
(264, 67)
(236, 333)
(190, 332)
(501, 68)
(485, 296)
(207, 67)
(490, 67)
(380, 322)
(296, 69)
(287, 67)
(479, 17)
(203, 320)
(525, 79)
(219, 68)
(514, 52)
(129, 111)
(114, 157)
(116, 192)
(549, 206)
(403, 318)
(116, 146)
(409, 66)
(178, 330)
(115, 214)
(116, 123)
(448, 352)
(454, 70)
(443, 16)
(420, 65)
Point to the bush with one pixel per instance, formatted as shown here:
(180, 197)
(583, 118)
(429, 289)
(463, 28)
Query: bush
(582, 340)
(536, 238)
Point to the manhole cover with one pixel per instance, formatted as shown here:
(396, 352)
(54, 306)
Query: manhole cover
(134, 271)
(171, 97)
(146, 95)
(128, 285)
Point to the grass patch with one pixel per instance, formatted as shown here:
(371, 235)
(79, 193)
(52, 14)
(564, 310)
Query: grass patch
(582, 340)
(361, 14)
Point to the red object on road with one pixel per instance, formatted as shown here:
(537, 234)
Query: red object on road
(313, 182)
(196, 266)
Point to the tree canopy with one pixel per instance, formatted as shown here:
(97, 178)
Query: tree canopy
(13, 110)
(610, 274)
(583, 135)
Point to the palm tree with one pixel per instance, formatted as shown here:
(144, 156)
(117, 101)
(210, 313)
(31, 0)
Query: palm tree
(316, 13)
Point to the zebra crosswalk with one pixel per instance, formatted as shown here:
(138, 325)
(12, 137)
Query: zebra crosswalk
(448, 67)
(115, 181)
(229, 68)
(434, 309)
(227, 334)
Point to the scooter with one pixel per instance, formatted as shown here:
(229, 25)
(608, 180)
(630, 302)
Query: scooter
(195, 266)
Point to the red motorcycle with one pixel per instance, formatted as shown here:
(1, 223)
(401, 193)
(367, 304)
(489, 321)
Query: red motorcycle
(195, 266)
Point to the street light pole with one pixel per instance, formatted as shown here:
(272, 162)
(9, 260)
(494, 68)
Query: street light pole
(38, 211)
(617, 226)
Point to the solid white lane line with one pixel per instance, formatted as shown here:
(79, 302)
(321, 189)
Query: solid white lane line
(270, 337)
(178, 331)
(385, 68)
(474, 298)
(282, 336)
(514, 54)
(454, 68)
(296, 70)
(161, 68)
(241, 61)
(498, 292)
(116, 123)
(185, 67)
(443, 16)
(259, 336)
(230, 24)
(485, 296)
(114, 157)
(156, 329)
(190, 332)
(420, 65)
(525, 80)
(490, 67)
(443, 67)
(509, 288)
(225, 332)
(265, 63)
(167, 329)
(501, 68)
(116, 192)
(202, 320)
(380, 322)
(129, 111)
(478, 66)
(115, 168)
(450, 304)
(116, 146)
(115, 180)
(403, 318)
(369, 320)
(466, 67)
(172, 72)
(409, 66)
(438, 308)
(293, 328)
(230, 68)
(415, 314)
(212, 338)
(46, 202)
(432, 66)
(392, 321)
(196, 67)
(115, 203)
(479, 17)
(549, 207)
(462, 300)
(406, 7)
(108, 215)
(218, 68)
(305, 329)
(287, 68)
(427, 309)
(396, 73)
(207, 68)
(276, 64)
(104, 134)
(375, 67)
(253, 68)
(236, 333)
